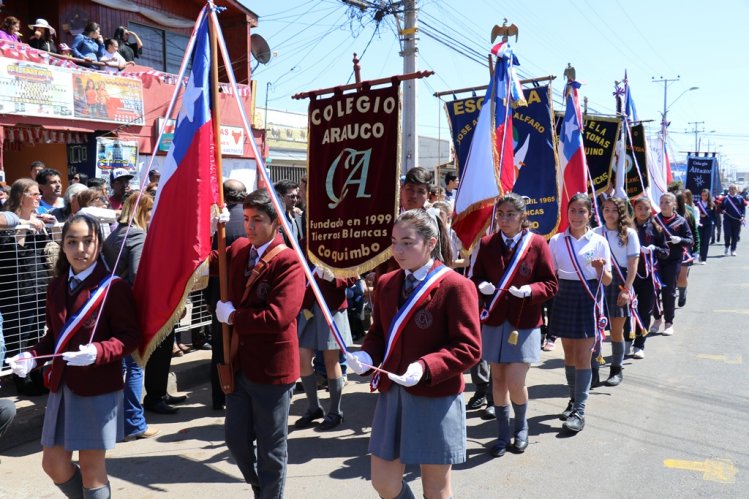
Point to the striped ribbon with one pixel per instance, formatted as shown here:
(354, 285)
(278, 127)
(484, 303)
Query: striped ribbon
(509, 274)
(687, 257)
(736, 209)
(401, 318)
(631, 292)
(598, 316)
(74, 323)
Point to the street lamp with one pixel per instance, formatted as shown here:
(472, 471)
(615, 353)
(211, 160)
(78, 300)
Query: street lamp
(679, 97)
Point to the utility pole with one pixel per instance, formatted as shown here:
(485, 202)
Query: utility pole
(664, 116)
(696, 134)
(409, 140)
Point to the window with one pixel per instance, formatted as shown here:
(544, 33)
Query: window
(162, 50)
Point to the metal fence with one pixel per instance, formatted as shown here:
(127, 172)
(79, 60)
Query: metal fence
(26, 263)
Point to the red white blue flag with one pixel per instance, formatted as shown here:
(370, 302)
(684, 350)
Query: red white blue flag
(573, 171)
(178, 243)
(489, 170)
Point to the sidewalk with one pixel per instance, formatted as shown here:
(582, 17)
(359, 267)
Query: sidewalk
(188, 371)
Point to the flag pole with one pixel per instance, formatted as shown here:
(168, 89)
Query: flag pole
(221, 231)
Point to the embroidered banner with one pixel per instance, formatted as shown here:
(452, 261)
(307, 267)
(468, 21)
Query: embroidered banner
(700, 174)
(536, 160)
(463, 116)
(637, 172)
(352, 179)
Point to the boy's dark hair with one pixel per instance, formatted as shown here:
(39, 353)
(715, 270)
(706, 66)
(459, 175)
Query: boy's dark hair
(108, 42)
(260, 200)
(418, 175)
(284, 186)
(95, 182)
(63, 265)
(450, 176)
(43, 176)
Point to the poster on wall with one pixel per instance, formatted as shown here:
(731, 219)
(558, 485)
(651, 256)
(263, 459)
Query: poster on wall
(102, 97)
(116, 153)
(35, 90)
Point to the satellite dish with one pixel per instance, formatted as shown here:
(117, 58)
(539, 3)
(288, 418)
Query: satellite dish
(260, 49)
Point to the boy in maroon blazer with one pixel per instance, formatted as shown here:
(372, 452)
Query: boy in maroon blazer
(263, 317)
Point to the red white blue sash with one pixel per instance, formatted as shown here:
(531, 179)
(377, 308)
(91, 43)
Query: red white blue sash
(406, 311)
(76, 321)
(736, 209)
(509, 274)
(631, 292)
(687, 257)
(598, 316)
(701, 205)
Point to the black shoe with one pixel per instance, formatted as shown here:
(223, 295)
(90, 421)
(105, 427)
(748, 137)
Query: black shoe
(331, 421)
(175, 399)
(682, 300)
(476, 402)
(498, 450)
(575, 423)
(566, 413)
(306, 420)
(519, 445)
(488, 413)
(161, 407)
(615, 376)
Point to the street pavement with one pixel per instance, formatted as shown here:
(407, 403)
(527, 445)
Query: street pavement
(676, 427)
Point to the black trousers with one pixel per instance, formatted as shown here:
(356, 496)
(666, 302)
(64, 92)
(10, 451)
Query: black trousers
(668, 270)
(645, 303)
(731, 231)
(706, 230)
(157, 371)
(217, 357)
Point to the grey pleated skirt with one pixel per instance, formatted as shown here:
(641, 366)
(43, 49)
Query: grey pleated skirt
(83, 423)
(419, 430)
(315, 334)
(496, 347)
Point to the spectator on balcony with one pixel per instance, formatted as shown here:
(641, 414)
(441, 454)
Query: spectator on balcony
(43, 37)
(10, 30)
(89, 44)
(50, 184)
(64, 49)
(113, 60)
(127, 49)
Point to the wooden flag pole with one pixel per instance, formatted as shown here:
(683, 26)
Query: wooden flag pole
(226, 370)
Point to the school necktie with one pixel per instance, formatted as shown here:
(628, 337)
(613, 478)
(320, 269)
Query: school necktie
(73, 284)
(509, 243)
(251, 262)
(409, 284)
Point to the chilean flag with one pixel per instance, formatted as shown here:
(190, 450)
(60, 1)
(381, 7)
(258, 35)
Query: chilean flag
(490, 166)
(178, 243)
(573, 167)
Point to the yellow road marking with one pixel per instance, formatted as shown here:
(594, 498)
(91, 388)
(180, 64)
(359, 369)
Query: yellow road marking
(743, 311)
(736, 360)
(714, 470)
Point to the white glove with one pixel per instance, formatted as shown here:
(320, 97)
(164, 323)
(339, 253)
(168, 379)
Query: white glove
(487, 288)
(523, 291)
(85, 356)
(224, 309)
(324, 273)
(222, 217)
(675, 239)
(414, 373)
(355, 361)
(21, 364)
(646, 250)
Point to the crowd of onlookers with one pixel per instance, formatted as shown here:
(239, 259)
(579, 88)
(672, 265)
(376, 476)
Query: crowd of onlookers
(88, 48)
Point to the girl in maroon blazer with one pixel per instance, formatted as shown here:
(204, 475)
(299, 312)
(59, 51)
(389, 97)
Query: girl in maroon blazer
(515, 275)
(425, 333)
(85, 406)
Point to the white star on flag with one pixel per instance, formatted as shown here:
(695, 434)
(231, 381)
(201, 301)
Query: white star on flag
(192, 93)
(569, 128)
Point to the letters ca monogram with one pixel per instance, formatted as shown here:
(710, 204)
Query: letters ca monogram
(358, 163)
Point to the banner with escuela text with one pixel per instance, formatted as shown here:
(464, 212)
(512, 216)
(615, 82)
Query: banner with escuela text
(536, 159)
(463, 116)
(600, 136)
(352, 179)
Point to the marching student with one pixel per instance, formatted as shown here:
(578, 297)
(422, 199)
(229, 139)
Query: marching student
(582, 260)
(515, 275)
(425, 333)
(653, 247)
(706, 209)
(679, 238)
(625, 253)
(733, 209)
(315, 335)
(691, 215)
(266, 288)
(85, 404)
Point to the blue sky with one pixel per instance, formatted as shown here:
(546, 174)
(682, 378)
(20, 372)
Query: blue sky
(704, 43)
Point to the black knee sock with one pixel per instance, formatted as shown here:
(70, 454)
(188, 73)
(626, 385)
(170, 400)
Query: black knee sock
(73, 488)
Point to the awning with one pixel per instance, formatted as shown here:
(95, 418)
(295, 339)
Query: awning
(39, 135)
(286, 155)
